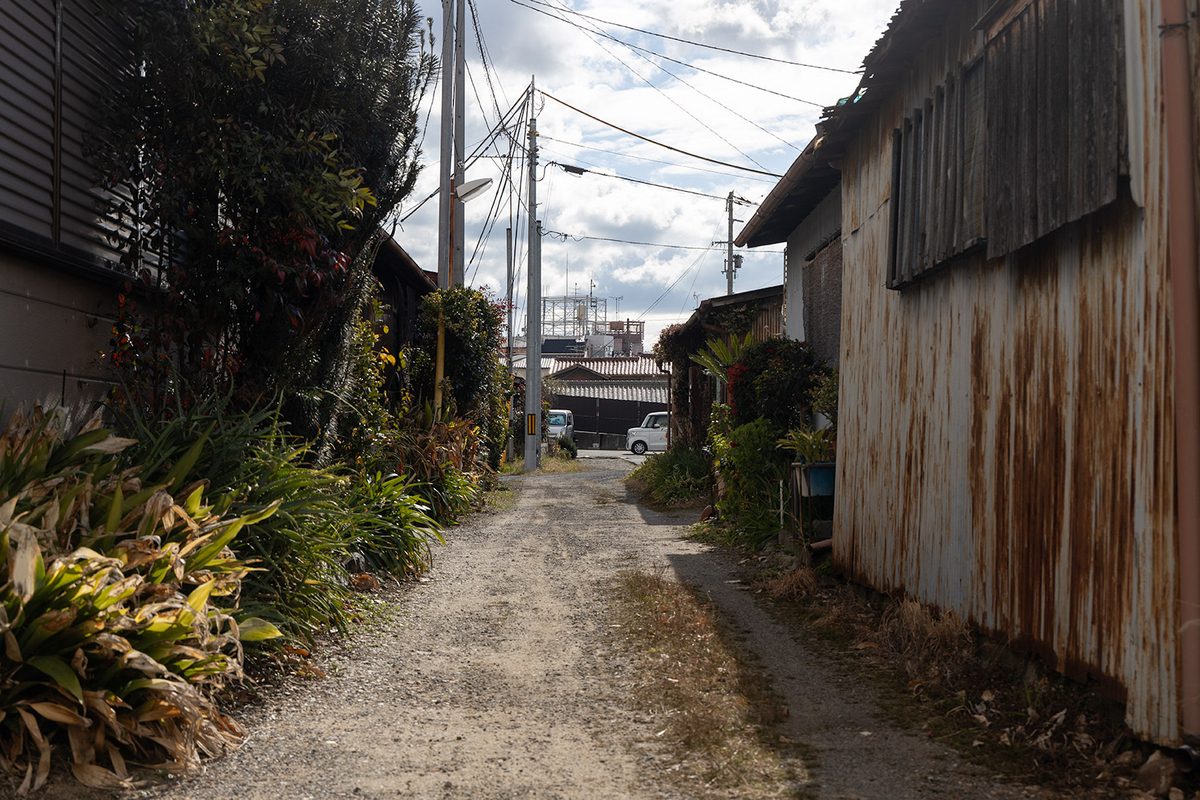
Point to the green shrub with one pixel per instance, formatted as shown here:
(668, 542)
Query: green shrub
(324, 517)
(775, 379)
(118, 604)
(392, 527)
(747, 459)
(300, 584)
(567, 446)
(677, 475)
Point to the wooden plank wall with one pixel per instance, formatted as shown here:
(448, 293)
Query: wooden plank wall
(1056, 133)
(1006, 426)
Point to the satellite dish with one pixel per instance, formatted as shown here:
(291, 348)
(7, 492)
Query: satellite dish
(472, 189)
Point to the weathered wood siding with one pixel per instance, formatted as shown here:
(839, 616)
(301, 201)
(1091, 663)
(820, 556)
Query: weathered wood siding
(1005, 442)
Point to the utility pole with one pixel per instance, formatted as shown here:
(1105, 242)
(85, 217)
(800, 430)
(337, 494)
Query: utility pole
(459, 266)
(508, 295)
(732, 263)
(445, 207)
(509, 448)
(729, 243)
(533, 325)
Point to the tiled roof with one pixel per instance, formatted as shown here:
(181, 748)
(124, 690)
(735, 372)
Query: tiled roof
(637, 390)
(547, 362)
(625, 367)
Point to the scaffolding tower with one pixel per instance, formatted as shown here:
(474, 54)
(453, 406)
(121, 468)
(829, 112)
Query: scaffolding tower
(574, 316)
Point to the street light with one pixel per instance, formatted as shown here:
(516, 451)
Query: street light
(472, 189)
(468, 191)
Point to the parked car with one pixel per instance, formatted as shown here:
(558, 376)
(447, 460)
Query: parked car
(652, 435)
(560, 422)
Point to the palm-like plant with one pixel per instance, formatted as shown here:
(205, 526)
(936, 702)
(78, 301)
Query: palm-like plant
(718, 357)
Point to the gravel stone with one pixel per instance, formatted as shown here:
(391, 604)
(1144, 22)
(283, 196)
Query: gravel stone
(497, 678)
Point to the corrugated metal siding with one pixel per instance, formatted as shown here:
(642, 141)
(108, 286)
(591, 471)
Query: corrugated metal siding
(55, 60)
(27, 115)
(1006, 427)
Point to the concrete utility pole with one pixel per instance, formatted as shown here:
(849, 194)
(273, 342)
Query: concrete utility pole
(533, 325)
(729, 242)
(446, 163)
(459, 265)
(508, 243)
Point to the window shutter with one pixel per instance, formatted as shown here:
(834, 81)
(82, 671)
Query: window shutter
(1055, 110)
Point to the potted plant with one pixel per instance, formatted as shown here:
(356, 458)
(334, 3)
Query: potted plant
(813, 448)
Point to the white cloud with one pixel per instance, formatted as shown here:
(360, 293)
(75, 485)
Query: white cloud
(570, 65)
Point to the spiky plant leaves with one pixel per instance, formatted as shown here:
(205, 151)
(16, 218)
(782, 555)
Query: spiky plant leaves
(114, 633)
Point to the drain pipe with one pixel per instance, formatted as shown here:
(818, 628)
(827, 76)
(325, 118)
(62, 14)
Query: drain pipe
(1185, 291)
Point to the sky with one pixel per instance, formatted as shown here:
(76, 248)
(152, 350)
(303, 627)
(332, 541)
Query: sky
(690, 110)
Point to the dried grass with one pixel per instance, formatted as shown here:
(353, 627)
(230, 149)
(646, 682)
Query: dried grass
(930, 646)
(1048, 730)
(798, 584)
(713, 710)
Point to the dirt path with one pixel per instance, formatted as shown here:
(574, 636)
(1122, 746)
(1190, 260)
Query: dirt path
(494, 679)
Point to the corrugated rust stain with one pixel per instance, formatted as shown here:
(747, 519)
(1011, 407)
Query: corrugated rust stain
(1005, 442)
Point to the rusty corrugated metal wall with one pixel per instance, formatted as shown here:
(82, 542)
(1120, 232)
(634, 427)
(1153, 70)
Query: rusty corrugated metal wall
(1005, 441)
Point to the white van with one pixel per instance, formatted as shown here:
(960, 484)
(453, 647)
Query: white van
(652, 435)
(560, 422)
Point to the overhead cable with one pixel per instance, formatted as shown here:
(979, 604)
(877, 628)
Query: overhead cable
(651, 160)
(576, 170)
(675, 102)
(577, 238)
(669, 58)
(628, 132)
(476, 153)
(674, 283)
(712, 46)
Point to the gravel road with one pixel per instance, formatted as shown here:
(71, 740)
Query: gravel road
(495, 677)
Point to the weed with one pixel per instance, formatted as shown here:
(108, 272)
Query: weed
(799, 584)
(971, 693)
(677, 476)
(715, 710)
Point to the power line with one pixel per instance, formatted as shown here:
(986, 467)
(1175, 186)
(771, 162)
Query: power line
(710, 46)
(574, 170)
(578, 238)
(674, 283)
(660, 144)
(673, 60)
(651, 160)
(475, 155)
(676, 103)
